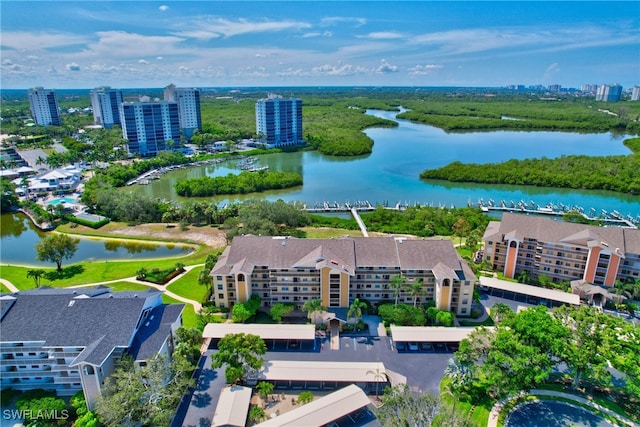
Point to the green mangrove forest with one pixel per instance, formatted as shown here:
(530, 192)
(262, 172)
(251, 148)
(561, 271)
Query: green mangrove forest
(245, 182)
(614, 173)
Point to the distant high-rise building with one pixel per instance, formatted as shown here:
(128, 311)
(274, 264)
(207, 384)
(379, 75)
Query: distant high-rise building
(44, 106)
(188, 108)
(635, 93)
(555, 88)
(593, 88)
(609, 93)
(106, 106)
(279, 121)
(148, 126)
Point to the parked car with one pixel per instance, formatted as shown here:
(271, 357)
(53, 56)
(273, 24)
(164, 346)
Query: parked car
(400, 346)
(426, 346)
(453, 346)
(413, 346)
(440, 346)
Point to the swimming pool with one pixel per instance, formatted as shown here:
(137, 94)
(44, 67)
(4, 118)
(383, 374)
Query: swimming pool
(61, 200)
(551, 413)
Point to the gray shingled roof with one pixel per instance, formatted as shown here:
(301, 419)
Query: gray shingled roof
(343, 253)
(65, 317)
(549, 230)
(153, 333)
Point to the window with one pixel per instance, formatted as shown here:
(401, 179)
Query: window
(219, 287)
(221, 296)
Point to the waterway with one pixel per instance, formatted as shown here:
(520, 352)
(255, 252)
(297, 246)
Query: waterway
(390, 174)
(19, 238)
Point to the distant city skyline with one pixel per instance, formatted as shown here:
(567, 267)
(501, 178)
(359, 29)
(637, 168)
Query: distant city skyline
(149, 44)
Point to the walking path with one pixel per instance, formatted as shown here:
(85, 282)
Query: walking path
(162, 288)
(363, 227)
(495, 411)
(9, 285)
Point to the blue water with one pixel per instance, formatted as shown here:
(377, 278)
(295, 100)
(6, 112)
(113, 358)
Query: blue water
(549, 413)
(61, 200)
(391, 172)
(19, 237)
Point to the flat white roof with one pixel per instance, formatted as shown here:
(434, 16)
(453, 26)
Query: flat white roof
(266, 332)
(296, 370)
(430, 333)
(534, 291)
(324, 410)
(232, 407)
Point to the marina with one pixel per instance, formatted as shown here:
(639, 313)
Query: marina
(532, 208)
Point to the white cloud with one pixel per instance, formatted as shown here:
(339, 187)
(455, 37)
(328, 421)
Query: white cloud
(207, 28)
(163, 8)
(423, 70)
(386, 68)
(29, 41)
(72, 67)
(340, 70)
(383, 35)
(142, 61)
(129, 45)
(334, 20)
(159, 58)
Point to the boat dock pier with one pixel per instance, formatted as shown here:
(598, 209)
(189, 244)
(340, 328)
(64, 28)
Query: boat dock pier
(531, 208)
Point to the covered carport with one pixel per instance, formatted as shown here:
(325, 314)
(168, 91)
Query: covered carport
(310, 375)
(277, 337)
(325, 410)
(440, 336)
(526, 293)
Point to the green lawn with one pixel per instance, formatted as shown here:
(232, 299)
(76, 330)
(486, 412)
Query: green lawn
(187, 286)
(4, 289)
(92, 272)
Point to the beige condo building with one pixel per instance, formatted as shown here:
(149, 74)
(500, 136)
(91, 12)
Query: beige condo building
(562, 251)
(286, 269)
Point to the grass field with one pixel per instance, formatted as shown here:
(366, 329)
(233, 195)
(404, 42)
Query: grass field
(187, 286)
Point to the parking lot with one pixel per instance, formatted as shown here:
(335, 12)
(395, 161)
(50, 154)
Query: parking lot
(423, 369)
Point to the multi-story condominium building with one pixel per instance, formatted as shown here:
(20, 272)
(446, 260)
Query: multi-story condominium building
(284, 269)
(635, 93)
(67, 340)
(148, 126)
(44, 106)
(105, 102)
(562, 251)
(188, 100)
(279, 121)
(609, 93)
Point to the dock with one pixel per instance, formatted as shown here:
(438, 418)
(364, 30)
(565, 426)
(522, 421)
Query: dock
(550, 209)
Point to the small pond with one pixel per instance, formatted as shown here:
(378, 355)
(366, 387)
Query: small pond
(551, 413)
(19, 237)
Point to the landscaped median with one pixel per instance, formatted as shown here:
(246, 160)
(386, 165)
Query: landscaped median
(598, 406)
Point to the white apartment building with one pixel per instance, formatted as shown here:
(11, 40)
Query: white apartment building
(105, 102)
(188, 100)
(44, 106)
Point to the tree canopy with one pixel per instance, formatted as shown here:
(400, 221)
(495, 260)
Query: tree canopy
(56, 248)
(241, 353)
(526, 347)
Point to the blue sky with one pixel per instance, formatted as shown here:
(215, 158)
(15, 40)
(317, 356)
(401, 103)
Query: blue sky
(124, 44)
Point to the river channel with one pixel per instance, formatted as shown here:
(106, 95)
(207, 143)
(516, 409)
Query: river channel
(390, 174)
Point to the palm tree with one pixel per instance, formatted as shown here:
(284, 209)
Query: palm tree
(460, 374)
(355, 310)
(396, 284)
(36, 275)
(312, 306)
(378, 375)
(524, 277)
(415, 289)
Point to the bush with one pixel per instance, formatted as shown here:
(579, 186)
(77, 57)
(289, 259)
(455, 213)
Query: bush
(91, 224)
